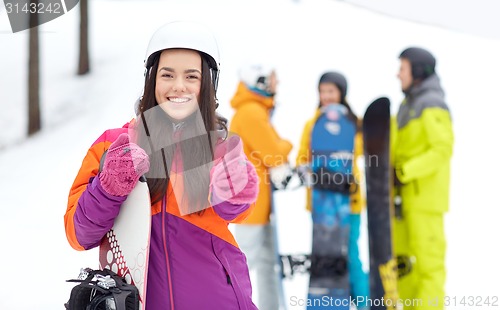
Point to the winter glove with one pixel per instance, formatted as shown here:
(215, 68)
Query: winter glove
(233, 178)
(395, 178)
(280, 176)
(124, 164)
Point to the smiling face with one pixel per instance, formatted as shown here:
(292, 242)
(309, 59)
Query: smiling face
(329, 93)
(178, 82)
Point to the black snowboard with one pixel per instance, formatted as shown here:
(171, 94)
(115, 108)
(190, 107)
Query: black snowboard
(383, 267)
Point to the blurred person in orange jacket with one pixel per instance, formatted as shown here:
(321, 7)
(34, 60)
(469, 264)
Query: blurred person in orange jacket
(253, 103)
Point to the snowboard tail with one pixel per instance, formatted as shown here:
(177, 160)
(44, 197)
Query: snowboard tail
(125, 248)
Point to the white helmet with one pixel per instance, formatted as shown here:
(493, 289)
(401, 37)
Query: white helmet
(256, 75)
(186, 34)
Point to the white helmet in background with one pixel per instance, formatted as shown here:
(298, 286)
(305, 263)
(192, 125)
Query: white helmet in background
(189, 35)
(256, 75)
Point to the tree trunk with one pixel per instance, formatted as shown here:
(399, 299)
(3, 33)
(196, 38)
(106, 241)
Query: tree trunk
(83, 65)
(34, 123)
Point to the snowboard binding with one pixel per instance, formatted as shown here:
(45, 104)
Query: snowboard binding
(295, 263)
(405, 265)
(102, 290)
(334, 181)
(328, 266)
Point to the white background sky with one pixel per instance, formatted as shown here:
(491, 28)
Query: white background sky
(303, 39)
(478, 17)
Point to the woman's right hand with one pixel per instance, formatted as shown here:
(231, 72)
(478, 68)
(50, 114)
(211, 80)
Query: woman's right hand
(124, 164)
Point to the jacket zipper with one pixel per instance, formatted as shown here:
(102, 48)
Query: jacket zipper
(228, 278)
(167, 260)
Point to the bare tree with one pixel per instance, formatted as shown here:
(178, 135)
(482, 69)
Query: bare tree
(84, 63)
(34, 122)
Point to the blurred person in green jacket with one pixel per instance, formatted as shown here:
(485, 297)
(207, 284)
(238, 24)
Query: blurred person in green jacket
(422, 144)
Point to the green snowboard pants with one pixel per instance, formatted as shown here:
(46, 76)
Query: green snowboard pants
(420, 238)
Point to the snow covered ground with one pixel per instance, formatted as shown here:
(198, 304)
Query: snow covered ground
(303, 38)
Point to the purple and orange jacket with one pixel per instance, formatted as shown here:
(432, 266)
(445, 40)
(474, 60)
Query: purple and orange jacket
(194, 260)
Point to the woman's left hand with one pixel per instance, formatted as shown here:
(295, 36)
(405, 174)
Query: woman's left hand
(233, 178)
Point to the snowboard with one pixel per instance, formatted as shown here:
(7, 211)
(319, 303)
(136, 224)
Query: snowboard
(125, 248)
(280, 273)
(332, 146)
(380, 213)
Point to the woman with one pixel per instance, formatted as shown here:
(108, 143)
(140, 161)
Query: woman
(332, 88)
(198, 182)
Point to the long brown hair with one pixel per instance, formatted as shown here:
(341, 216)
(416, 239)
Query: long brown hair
(196, 144)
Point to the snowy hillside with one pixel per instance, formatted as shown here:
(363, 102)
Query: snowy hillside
(303, 38)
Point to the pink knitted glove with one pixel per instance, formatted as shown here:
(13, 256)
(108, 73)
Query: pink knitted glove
(124, 164)
(233, 178)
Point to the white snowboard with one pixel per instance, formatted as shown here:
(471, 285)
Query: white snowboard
(125, 248)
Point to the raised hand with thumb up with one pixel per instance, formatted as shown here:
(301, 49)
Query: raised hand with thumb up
(124, 164)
